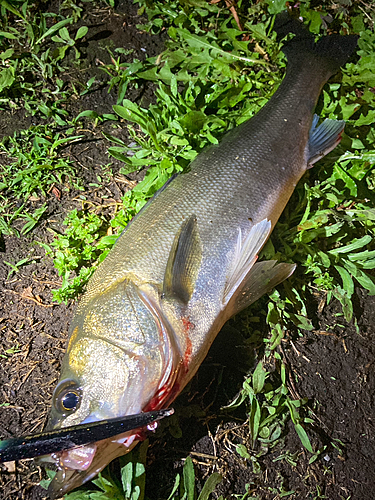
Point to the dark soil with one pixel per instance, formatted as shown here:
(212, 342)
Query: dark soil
(333, 366)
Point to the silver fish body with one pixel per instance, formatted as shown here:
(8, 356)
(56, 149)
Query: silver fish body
(186, 264)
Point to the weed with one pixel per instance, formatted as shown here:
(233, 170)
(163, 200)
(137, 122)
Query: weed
(37, 167)
(44, 40)
(32, 220)
(76, 251)
(7, 353)
(17, 266)
(133, 476)
(267, 415)
(282, 491)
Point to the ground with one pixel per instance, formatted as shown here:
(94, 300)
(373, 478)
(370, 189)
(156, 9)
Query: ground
(333, 365)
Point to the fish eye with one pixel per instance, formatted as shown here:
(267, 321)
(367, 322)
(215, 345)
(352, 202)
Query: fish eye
(67, 397)
(70, 401)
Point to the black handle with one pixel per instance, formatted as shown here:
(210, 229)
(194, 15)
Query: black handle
(57, 440)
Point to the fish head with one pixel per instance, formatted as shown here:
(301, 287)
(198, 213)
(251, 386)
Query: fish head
(97, 382)
(121, 359)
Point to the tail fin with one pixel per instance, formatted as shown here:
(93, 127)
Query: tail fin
(333, 50)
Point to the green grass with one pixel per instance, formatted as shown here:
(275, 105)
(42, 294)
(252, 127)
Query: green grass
(76, 250)
(131, 485)
(33, 49)
(208, 80)
(33, 167)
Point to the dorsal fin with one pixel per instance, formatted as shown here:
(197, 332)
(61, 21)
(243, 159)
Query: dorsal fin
(183, 262)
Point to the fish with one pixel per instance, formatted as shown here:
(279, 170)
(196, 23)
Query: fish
(188, 261)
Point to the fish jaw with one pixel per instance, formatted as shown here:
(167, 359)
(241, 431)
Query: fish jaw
(106, 450)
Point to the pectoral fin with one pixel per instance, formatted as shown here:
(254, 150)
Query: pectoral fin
(323, 138)
(262, 278)
(245, 256)
(183, 262)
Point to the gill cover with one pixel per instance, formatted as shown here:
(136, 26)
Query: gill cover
(119, 352)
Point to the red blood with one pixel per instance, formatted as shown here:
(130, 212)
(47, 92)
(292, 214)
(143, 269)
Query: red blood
(188, 325)
(167, 393)
(163, 397)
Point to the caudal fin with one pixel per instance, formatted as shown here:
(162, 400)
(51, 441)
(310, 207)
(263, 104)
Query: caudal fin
(332, 51)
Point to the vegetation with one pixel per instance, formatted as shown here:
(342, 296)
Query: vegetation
(213, 74)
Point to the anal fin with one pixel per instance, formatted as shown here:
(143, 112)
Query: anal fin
(323, 138)
(262, 278)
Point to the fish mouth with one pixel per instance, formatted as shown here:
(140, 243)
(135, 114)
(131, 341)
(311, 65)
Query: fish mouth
(95, 457)
(78, 464)
(81, 464)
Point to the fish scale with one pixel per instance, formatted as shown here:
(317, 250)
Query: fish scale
(187, 262)
(220, 188)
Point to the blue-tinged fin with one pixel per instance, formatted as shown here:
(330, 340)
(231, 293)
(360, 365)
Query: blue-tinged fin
(323, 138)
(183, 262)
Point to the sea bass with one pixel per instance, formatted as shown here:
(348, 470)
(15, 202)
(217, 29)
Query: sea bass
(187, 262)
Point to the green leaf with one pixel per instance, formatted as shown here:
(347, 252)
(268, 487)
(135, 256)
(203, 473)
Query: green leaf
(12, 9)
(54, 28)
(81, 32)
(189, 479)
(347, 282)
(87, 113)
(10, 36)
(362, 256)
(366, 281)
(259, 377)
(7, 54)
(346, 303)
(175, 487)
(201, 42)
(357, 243)
(127, 479)
(64, 34)
(7, 77)
(210, 485)
(276, 6)
(193, 121)
(303, 437)
(254, 420)
(367, 119)
(242, 451)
